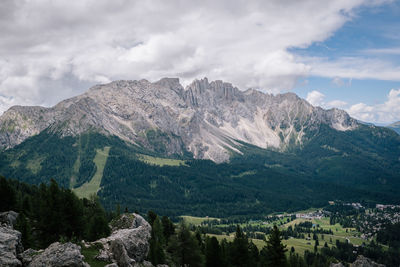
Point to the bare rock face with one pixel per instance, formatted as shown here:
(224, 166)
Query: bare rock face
(28, 255)
(8, 218)
(60, 255)
(128, 244)
(10, 247)
(362, 261)
(207, 119)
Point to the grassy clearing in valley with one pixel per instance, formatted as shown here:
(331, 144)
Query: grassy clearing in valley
(300, 245)
(93, 185)
(246, 173)
(160, 161)
(197, 220)
(339, 233)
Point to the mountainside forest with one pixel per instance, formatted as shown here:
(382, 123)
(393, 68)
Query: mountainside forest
(360, 165)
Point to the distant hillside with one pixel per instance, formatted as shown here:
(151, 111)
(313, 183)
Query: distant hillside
(395, 126)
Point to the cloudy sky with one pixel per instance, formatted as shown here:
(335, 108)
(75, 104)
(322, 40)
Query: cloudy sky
(339, 53)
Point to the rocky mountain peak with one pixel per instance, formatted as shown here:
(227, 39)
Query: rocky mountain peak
(208, 119)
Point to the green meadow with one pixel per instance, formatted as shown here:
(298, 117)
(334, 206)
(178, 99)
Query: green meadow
(93, 185)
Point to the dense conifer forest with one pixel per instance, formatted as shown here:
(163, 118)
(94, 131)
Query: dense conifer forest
(49, 213)
(253, 184)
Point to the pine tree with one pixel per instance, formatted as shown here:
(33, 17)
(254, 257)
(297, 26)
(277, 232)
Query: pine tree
(118, 210)
(95, 218)
(213, 252)
(151, 217)
(98, 228)
(273, 254)
(240, 249)
(168, 228)
(254, 255)
(184, 248)
(7, 195)
(23, 225)
(156, 254)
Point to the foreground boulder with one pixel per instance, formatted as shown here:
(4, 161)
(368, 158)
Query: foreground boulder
(10, 247)
(27, 256)
(60, 255)
(362, 261)
(8, 218)
(129, 242)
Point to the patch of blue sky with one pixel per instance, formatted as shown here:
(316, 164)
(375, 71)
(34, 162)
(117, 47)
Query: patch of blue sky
(368, 29)
(370, 92)
(370, 33)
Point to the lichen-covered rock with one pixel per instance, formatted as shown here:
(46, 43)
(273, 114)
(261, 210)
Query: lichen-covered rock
(27, 256)
(125, 221)
(336, 265)
(126, 246)
(10, 247)
(60, 255)
(120, 254)
(8, 218)
(362, 261)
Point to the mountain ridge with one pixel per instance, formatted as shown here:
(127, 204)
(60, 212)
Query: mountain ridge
(206, 119)
(395, 126)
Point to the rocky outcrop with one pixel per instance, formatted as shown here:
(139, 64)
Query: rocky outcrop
(60, 255)
(362, 261)
(27, 256)
(128, 245)
(10, 247)
(8, 218)
(207, 119)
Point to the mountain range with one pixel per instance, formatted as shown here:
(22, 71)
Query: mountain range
(205, 119)
(140, 144)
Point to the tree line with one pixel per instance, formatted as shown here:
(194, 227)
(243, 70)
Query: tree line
(48, 213)
(183, 246)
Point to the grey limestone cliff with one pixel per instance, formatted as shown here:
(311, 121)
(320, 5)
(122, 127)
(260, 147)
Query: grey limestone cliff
(207, 119)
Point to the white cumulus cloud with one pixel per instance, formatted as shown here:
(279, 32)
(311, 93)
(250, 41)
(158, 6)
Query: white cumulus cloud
(316, 98)
(51, 50)
(383, 113)
(386, 112)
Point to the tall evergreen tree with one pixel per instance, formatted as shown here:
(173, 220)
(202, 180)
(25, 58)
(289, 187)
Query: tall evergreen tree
(7, 195)
(273, 254)
(184, 248)
(254, 255)
(23, 225)
(96, 219)
(225, 249)
(168, 228)
(156, 254)
(213, 253)
(240, 249)
(151, 217)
